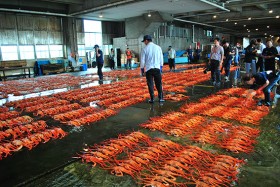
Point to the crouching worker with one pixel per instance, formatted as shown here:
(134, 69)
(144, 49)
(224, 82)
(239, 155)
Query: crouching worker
(263, 82)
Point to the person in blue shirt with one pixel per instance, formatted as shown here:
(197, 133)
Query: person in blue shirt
(151, 65)
(263, 82)
(99, 61)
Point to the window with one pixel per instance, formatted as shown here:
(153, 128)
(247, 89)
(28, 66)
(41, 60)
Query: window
(92, 26)
(42, 51)
(56, 51)
(93, 38)
(107, 49)
(9, 52)
(26, 52)
(209, 33)
(81, 50)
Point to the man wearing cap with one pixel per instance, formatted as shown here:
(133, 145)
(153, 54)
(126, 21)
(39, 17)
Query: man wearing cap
(99, 61)
(171, 58)
(151, 65)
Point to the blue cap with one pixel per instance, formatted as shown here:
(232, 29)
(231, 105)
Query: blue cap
(147, 37)
(96, 46)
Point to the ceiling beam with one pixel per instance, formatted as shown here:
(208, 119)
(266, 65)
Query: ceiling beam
(68, 2)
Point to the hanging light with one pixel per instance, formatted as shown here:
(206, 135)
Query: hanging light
(270, 11)
(101, 15)
(149, 14)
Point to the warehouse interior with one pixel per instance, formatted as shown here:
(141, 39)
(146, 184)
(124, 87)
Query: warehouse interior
(63, 125)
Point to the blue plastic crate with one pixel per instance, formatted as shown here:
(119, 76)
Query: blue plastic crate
(83, 67)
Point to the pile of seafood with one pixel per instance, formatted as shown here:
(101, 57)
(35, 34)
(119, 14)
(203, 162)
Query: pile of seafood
(22, 132)
(40, 84)
(200, 129)
(159, 162)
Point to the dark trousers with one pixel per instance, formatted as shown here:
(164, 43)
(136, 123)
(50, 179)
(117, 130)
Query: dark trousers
(112, 64)
(215, 70)
(227, 65)
(260, 64)
(128, 63)
(269, 66)
(171, 63)
(151, 76)
(268, 88)
(99, 70)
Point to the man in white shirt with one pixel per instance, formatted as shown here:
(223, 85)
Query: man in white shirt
(171, 58)
(151, 65)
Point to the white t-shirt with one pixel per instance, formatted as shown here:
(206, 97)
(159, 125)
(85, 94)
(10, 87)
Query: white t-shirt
(171, 53)
(151, 57)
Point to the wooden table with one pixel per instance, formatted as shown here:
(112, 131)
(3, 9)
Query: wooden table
(24, 73)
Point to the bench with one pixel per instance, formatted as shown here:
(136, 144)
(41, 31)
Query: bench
(14, 65)
(24, 73)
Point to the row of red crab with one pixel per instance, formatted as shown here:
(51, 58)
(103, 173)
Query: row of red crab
(159, 162)
(243, 115)
(33, 85)
(231, 101)
(203, 130)
(15, 121)
(20, 131)
(30, 141)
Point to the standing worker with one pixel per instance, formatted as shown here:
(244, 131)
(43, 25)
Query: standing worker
(197, 54)
(250, 58)
(171, 58)
(260, 62)
(216, 61)
(111, 59)
(269, 53)
(190, 54)
(229, 52)
(151, 65)
(99, 61)
(128, 54)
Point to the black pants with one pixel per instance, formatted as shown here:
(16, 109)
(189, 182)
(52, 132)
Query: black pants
(260, 64)
(171, 63)
(151, 76)
(99, 70)
(215, 70)
(269, 65)
(112, 63)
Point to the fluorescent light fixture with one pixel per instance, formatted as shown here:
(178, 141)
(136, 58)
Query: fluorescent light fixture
(101, 15)
(249, 18)
(214, 16)
(149, 14)
(226, 19)
(270, 11)
(277, 16)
